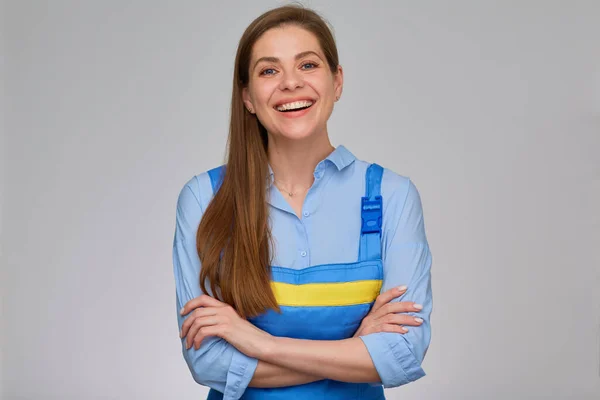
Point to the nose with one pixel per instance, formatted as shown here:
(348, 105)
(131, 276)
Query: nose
(291, 80)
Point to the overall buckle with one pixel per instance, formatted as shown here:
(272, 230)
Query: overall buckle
(371, 215)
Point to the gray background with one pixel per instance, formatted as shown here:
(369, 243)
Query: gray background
(492, 108)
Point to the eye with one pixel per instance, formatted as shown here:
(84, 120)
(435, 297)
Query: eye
(265, 70)
(314, 65)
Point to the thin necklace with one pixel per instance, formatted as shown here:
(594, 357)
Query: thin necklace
(291, 194)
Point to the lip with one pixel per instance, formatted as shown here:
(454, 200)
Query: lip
(292, 100)
(296, 114)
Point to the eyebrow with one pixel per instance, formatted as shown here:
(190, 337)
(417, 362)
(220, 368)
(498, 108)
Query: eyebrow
(276, 60)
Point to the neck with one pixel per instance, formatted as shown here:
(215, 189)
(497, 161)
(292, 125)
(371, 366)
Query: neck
(294, 162)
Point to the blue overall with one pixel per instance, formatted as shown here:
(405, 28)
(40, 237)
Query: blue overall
(325, 302)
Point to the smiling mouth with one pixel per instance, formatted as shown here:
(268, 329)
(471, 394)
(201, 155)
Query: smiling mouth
(295, 107)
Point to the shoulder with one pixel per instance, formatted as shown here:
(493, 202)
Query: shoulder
(397, 190)
(394, 186)
(401, 187)
(196, 192)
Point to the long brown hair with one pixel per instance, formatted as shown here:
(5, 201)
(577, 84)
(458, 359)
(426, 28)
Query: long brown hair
(234, 241)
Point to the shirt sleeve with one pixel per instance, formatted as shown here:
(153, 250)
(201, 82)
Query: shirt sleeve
(216, 364)
(406, 261)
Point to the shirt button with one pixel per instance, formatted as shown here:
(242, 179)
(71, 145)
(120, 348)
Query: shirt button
(303, 253)
(306, 213)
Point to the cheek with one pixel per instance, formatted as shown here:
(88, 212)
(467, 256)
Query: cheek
(262, 94)
(321, 83)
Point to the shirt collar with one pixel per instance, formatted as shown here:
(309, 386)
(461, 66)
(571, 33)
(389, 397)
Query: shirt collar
(341, 157)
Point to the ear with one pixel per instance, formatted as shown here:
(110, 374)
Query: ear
(338, 82)
(247, 100)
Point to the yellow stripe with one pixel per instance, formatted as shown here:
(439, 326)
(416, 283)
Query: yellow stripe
(326, 294)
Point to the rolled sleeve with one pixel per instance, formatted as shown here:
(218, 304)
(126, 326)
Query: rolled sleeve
(241, 371)
(407, 261)
(393, 360)
(216, 364)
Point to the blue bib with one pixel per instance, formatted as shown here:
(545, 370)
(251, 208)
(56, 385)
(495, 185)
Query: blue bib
(325, 302)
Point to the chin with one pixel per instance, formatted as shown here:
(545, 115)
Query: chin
(297, 134)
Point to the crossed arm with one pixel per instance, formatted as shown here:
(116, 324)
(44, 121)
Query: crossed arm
(284, 361)
(287, 362)
(298, 369)
(342, 360)
(269, 375)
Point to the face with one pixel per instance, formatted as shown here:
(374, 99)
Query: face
(288, 70)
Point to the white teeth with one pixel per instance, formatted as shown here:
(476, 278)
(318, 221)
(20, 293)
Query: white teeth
(294, 105)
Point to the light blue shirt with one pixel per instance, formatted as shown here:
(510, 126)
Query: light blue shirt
(328, 232)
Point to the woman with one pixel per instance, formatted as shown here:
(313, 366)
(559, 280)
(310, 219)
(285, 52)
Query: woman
(297, 239)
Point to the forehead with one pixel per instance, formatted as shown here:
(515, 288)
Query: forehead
(285, 42)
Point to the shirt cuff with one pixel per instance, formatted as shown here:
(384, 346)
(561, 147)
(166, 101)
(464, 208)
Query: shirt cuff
(393, 360)
(241, 371)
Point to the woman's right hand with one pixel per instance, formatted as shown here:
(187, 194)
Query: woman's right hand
(383, 317)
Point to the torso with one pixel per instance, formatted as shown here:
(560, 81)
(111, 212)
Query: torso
(296, 202)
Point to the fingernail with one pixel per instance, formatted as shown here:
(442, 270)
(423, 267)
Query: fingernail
(403, 329)
(418, 306)
(419, 320)
(181, 311)
(402, 288)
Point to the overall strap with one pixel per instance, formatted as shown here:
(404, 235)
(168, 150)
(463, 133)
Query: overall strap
(371, 215)
(216, 177)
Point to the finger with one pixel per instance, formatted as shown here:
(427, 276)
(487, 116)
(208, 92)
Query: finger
(388, 296)
(393, 328)
(197, 313)
(198, 324)
(402, 319)
(397, 307)
(201, 301)
(405, 306)
(203, 333)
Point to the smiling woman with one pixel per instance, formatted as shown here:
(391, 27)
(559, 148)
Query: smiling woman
(291, 260)
(296, 84)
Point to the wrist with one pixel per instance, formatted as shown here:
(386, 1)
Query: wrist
(268, 351)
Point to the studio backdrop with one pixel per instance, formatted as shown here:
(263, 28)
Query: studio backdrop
(491, 108)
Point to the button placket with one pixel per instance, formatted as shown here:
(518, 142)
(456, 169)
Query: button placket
(303, 251)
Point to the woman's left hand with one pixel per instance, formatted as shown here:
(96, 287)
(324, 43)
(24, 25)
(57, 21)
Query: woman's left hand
(211, 317)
